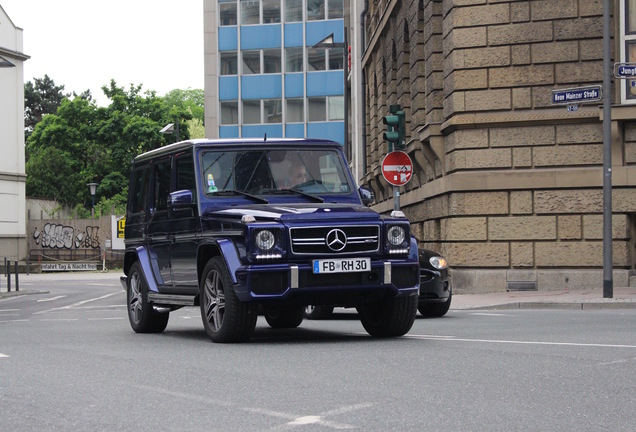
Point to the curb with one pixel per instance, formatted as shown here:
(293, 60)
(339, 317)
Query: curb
(556, 305)
(21, 292)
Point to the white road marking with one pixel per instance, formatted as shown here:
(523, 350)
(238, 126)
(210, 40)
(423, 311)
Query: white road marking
(9, 310)
(615, 362)
(51, 299)
(106, 319)
(17, 320)
(495, 341)
(3, 355)
(490, 314)
(75, 305)
(59, 319)
(293, 420)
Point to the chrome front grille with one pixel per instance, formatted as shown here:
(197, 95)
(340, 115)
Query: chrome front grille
(328, 240)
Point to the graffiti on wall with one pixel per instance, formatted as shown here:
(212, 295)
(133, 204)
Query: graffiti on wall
(57, 236)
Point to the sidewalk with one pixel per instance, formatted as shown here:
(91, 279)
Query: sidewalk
(624, 297)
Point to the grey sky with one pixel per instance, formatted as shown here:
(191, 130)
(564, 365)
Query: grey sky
(83, 44)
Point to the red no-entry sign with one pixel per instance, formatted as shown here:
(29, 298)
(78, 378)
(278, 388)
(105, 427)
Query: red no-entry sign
(397, 168)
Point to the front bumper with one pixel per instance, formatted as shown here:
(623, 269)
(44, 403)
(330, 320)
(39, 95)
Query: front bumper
(435, 286)
(282, 281)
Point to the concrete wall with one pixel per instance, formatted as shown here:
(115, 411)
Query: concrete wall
(12, 173)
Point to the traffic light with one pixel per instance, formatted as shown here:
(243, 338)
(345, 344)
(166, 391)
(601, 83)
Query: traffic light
(395, 134)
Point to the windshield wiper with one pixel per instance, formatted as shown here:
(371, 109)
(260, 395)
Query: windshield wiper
(231, 192)
(316, 198)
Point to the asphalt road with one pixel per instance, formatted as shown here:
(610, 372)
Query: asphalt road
(70, 362)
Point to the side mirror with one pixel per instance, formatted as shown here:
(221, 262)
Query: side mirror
(180, 199)
(366, 195)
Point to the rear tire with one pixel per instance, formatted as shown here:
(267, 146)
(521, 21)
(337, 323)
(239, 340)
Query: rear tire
(318, 312)
(142, 316)
(284, 316)
(225, 318)
(391, 317)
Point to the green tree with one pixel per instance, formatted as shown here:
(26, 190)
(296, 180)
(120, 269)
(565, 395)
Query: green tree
(41, 97)
(83, 143)
(191, 99)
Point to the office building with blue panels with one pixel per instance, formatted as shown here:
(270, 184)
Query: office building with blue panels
(265, 76)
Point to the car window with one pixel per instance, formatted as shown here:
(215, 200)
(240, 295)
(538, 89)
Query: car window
(139, 190)
(263, 171)
(186, 179)
(162, 184)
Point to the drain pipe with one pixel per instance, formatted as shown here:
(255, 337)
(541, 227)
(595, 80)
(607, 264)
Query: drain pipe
(364, 86)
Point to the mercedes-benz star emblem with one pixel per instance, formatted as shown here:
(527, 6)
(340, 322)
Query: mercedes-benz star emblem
(336, 240)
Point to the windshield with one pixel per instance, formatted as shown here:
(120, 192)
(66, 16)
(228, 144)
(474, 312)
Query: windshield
(263, 171)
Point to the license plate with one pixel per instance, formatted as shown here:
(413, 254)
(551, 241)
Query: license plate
(342, 265)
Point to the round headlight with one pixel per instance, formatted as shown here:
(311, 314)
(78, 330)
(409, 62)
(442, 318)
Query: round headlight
(396, 235)
(438, 262)
(265, 240)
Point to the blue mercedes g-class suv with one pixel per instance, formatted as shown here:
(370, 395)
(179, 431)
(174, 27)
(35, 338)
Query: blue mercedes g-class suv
(272, 225)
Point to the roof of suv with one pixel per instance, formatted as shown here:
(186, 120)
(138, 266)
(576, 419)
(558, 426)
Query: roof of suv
(171, 148)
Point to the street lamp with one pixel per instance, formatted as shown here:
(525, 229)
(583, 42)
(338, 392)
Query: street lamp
(329, 42)
(171, 128)
(93, 188)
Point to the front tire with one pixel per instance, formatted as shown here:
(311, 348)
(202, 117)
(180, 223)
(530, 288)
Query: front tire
(391, 317)
(142, 316)
(280, 317)
(435, 310)
(225, 318)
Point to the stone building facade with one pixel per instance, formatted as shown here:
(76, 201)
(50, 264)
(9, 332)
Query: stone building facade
(506, 185)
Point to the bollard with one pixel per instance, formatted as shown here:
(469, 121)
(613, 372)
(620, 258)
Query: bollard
(17, 283)
(8, 267)
(5, 267)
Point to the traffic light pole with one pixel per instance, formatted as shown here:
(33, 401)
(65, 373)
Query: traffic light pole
(395, 137)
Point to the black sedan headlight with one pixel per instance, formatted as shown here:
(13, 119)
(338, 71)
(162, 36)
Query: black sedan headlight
(438, 262)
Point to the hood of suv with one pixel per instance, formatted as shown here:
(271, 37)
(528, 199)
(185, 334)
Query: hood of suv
(296, 212)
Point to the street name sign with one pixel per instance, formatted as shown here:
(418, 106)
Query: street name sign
(577, 95)
(397, 168)
(625, 70)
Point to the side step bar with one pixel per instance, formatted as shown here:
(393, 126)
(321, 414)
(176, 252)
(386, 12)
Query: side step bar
(171, 299)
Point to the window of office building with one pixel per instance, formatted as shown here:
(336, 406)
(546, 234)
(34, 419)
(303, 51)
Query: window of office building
(271, 61)
(273, 109)
(324, 9)
(336, 9)
(271, 11)
(250, 12)
(293, 10)
(227, 12)
(229, 113)
(229, 65)
(252, 111)
(317, 108)
(315, 10)
(251, 62)
(336, 108)
(257, 111)
(628, 39)
(294, 59)
(295, 112)
(326, 108)
(336, 58)
(316, 59)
